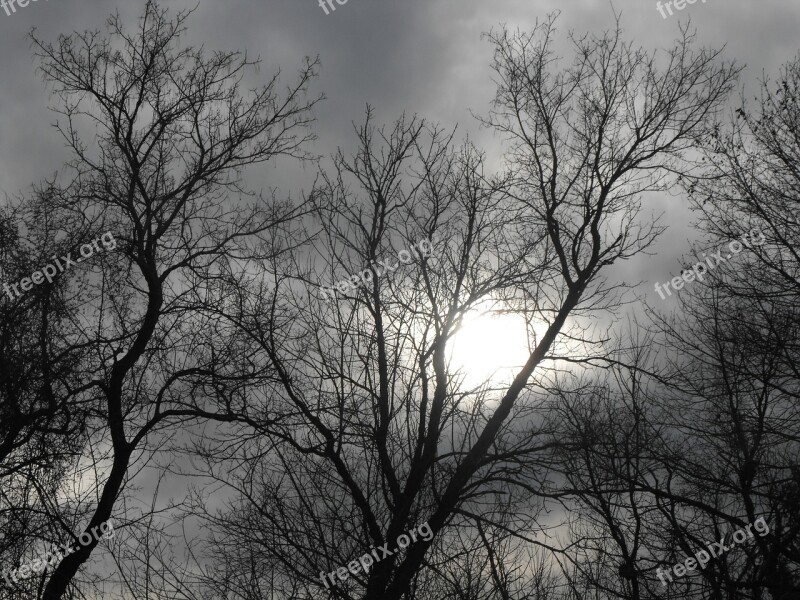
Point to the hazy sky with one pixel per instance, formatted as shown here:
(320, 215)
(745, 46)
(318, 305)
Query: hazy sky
(424, 57)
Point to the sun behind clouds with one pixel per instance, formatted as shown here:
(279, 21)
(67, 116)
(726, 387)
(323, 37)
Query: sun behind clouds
(490, 346)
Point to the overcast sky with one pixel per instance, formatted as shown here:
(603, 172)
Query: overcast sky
(419, 56)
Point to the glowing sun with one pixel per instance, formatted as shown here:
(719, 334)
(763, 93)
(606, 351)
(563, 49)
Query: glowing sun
(489, 346)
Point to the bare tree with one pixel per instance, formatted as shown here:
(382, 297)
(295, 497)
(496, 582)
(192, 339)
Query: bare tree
(40, 424)
(379, 433)
(744, 335)
(721, 422)
(163, 175)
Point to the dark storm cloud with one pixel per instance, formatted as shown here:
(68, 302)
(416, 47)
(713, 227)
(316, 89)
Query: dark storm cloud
(417, 56)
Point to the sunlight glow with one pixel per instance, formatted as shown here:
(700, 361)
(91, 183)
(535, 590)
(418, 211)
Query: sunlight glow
(489, 347)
